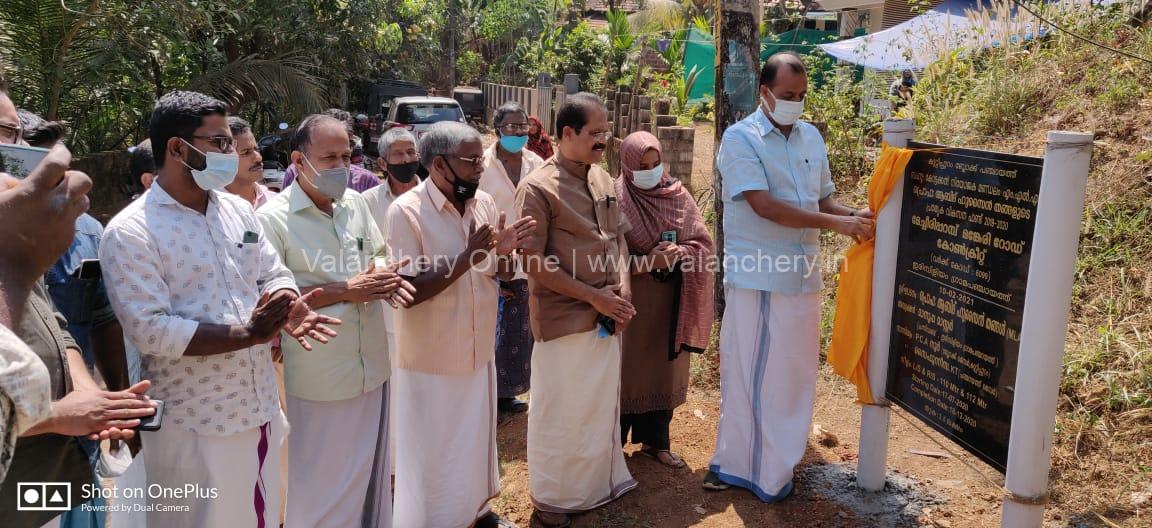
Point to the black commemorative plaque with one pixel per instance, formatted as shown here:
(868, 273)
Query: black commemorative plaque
(966, 229)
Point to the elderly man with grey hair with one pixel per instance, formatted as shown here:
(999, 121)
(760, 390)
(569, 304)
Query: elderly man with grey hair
(401, 164)
(456, 243)
(505, 163)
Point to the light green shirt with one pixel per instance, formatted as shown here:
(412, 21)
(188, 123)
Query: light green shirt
(321, 249)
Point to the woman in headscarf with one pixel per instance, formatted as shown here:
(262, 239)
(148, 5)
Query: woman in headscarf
(671, 291)
(538, 140)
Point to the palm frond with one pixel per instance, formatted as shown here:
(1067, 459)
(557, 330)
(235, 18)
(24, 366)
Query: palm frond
(47, 48)
(282, 80)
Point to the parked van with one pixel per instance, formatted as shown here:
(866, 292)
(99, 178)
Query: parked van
(418, 113)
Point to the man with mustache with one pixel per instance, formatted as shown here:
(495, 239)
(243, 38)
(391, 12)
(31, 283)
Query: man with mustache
(359, 178)
(580, 295)
(251, 170)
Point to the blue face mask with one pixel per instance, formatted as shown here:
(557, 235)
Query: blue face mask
(513, 144)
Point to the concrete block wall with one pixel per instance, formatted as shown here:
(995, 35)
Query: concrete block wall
(630, 112)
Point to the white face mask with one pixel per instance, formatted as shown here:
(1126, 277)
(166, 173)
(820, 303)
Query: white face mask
(786, 112)
(219, 169)
(647, 179)
(330, 182)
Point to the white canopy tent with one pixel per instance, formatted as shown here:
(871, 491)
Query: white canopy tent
(921, 41)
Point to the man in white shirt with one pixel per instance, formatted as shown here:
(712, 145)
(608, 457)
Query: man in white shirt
(200, 292)
(401, 164)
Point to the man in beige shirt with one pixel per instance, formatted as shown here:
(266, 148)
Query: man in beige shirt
(506, 163)
(326, 236)
(580, 288)
(456, 245)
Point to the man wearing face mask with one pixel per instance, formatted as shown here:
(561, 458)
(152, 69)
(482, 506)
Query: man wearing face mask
(506, 163)
(777, 190)
(359, 178)
(200, 291)
(401, 164)
(579, 309)
(327, 237)
(458, 244)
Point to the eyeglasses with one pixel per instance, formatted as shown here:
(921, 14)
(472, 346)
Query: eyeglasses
(513, 128)
(224, 143)
(475, 162)
(10, 134)
(601, 136)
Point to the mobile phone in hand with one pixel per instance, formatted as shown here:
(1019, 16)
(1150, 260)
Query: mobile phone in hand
(668, 236)
(607, 325)
(152, 423)
(89, 269)
(19, 160)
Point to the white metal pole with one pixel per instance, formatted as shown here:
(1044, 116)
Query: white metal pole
(870, 469)
(1045, 326)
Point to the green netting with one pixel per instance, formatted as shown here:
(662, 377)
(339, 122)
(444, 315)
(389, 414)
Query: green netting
(700, 52)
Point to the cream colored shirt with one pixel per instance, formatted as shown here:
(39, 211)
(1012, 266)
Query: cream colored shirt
(453, 333)
(321, 249)
(379, 198)
(495, 181)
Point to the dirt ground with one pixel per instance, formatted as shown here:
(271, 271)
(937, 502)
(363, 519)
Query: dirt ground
(929, 485)
(668, 498)
(955, 495)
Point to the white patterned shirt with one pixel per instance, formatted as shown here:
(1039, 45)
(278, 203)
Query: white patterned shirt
(169, 268)
(25, 393)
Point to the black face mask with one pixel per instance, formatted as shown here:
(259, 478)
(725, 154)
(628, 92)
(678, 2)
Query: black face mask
(422, 172)
(404, 172)
(463, 190)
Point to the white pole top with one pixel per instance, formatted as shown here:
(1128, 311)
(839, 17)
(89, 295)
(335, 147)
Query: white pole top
(899, 126)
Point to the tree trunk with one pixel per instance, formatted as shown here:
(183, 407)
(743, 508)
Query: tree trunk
(738, 50)
(452, 29)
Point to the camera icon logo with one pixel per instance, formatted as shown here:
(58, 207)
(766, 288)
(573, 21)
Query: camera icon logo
(43, 496)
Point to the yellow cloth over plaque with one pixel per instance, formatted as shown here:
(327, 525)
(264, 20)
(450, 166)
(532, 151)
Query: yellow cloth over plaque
(848, 352)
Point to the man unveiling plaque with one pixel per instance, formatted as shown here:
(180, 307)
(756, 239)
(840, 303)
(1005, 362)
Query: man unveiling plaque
(966, 229)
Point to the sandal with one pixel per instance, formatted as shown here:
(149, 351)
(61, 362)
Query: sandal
(653, 453)
(494, 521)
(511, 405)
(712, 482)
